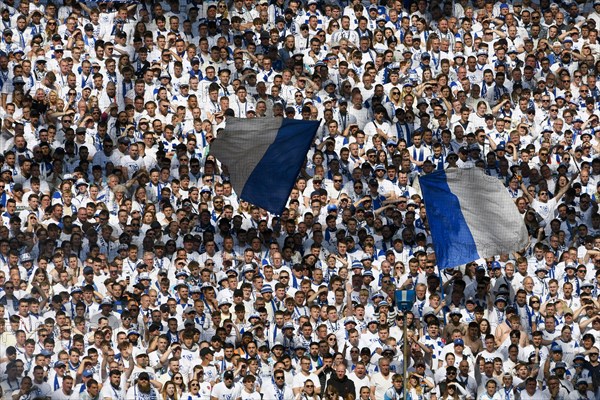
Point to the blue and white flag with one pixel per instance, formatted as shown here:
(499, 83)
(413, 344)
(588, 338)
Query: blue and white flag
(471, 216)
(264, 157)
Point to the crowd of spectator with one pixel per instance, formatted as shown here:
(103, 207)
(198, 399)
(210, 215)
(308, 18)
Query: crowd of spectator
(131, 269)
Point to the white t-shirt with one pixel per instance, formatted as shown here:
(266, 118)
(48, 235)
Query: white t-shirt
(135, 393)
(538, 395)
(109, 392)
(300, 378)
(381, 384)
(222, 392)
(358, 383)
(270, 392)
(249, 396)
(60, 395)
(132, 165)
(574, 395)
(545, 210)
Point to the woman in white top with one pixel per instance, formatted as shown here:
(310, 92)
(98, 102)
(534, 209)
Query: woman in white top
(197, 391)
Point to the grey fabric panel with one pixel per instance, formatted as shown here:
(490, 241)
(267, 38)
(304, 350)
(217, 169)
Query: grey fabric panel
(242, 144)
(490, 213)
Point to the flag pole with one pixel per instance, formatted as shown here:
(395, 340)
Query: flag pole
(405, 363)
(442, 293)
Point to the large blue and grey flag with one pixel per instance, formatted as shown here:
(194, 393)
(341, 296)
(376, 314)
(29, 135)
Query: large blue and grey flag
(264, 157)
(471, 216)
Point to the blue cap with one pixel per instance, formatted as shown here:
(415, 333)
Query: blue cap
(496, 265)
(559, 365)
(459, 342)
(88, 373)
(357, 264)
(556, 348)
(266, 289)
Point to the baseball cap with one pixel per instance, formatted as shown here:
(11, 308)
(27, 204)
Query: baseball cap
(228, 374)
(556, 348)
(560, 365)
(88, 373)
